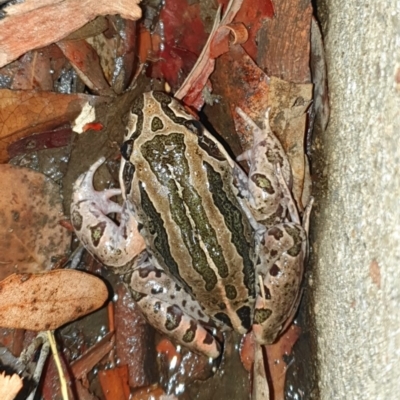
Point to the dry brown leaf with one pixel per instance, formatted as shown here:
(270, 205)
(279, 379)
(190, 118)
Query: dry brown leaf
(92, 28)
(242, 84)
(9, 386)
(25, 112)
(117, 46)
(320, 77)
(36, 70)
(238, 79)
(106, 49)
(289, 103)
(46, 301)
(86, 63)
(31, 238)
(35, 24)
(253, 15)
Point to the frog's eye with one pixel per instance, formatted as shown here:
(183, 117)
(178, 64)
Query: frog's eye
(126, 149)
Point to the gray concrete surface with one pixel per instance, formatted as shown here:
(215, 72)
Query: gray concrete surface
(356, 227)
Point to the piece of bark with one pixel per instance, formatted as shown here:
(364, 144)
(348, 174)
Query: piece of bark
(114, 383)
(284, 41)
(134, 336)
(85, 363)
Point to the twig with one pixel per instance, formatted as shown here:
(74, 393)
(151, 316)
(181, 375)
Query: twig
(63, 383)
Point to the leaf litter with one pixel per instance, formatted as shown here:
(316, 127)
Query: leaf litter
(230, 72)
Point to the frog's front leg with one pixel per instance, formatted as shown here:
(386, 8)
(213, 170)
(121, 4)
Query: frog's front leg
(114, 244)
(170, 309)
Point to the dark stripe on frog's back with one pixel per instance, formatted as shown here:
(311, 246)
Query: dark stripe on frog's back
(137, 109)
(155, 226)
(188, 121)
(229, 207)
(164, 101)
(184, 203)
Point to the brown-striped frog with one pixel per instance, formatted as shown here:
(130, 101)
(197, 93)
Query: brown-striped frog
(223, 247)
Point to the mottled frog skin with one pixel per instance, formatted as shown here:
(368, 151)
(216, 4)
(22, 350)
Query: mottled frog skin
(223, 248)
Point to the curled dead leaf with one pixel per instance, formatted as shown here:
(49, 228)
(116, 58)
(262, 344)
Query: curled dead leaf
(239, 32)
(46, 301)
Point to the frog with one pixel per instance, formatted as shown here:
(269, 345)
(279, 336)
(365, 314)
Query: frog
(223, 249)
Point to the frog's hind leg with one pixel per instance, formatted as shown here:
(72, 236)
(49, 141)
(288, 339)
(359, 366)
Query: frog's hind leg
(292, 208)
(281, 271)
(280, 275)
(170, 309)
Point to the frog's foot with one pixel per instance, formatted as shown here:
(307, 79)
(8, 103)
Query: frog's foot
(114, 244)
(171, 310)
(258, 134)
(282, 261)
(83, 190)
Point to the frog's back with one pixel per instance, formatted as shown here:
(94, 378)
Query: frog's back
(179, 180)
